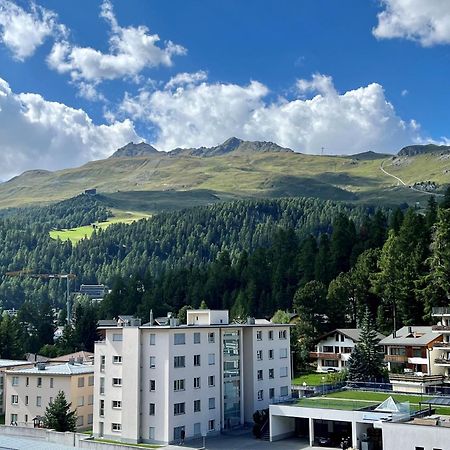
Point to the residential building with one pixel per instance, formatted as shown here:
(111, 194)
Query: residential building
(80, 357)
(8, 364)
(29, 391)
(155, 381)
(442, 346)
(93, 291)
(333, 350)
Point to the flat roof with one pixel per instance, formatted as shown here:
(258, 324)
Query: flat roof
(56, 369)
(13, 362)
(184, 326)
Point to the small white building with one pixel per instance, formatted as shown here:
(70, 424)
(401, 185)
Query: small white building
(333, 350)
(155, 382)
(29, 391)
(8, 364)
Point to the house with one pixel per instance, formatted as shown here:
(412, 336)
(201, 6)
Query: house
(154, 382)
(29, 391)
(80, 357)
(333, 350)
(8, 364)
(93, 291)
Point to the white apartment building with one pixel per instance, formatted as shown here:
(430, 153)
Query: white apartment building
(153, 382)
(29, 391)
(442, 358)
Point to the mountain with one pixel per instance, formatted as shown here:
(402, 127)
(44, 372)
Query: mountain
(232, 145)
(140, 178)
(414, 150)
(132, 150)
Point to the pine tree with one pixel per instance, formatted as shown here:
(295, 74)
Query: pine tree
(58, 415)
(366, 361)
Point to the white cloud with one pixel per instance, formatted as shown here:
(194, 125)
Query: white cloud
(199, 114)
(424, 21)
(36, 133)
(187, 78)
(131, 49)
(23, 31)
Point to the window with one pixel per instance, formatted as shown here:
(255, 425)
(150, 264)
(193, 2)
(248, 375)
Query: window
(152, 339)
(212, 403)
(102, 363)
(179, 338)
(116, 404)
(152, 362)
(259, 355)
(151, 433)
(271, 393)
(271, 373)
(26, 399)
(117, 381)
(420, 448)
(15, 381)
(259, 374)
(80, 421)
(211, 425)
(178, 361)
(417, 353)
(90, 419)
(283, 353)
(81, 382)
(117, 337)
(260, 394)
(51, 399)
(282, 334)
(28, 381)
(336, 337)
(178, 385)
(152, 385)
(270, 354)
(196, 382)
(91, 399)
(91, 380)
(80, 401)
(211, 338)
(211, 380)
(38, 401)
(13, 418)
(284, 391)
(330, 363)
(26, 418)
(102, 386)
(196, 405)
(14, 399)
(211, 359)
(117, 359)
(116, 427)
(270, 335)
(196, 338)
(400, 351)
(197, 428)
(102, 408)
(259, 335)
(51, 382)
(151, 409)
(346, 349)
(283, 371)
(196, 360)
(178, 408)
(328, 349)
(39, 382)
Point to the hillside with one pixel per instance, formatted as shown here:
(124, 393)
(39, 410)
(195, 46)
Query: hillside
(235, 169)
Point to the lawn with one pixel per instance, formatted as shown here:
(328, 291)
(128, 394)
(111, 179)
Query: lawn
(76, 234)
(311, 379)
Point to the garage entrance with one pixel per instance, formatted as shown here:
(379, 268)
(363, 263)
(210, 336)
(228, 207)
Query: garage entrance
(331, 433)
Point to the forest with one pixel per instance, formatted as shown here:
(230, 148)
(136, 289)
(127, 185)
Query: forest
(329, 262)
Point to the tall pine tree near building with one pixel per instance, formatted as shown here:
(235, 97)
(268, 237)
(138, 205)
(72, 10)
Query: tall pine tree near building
(366, 361)
(58, 415)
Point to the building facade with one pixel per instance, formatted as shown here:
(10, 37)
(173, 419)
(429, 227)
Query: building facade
(156, 383)
(29, 391)
(8, 364)
(442, 346)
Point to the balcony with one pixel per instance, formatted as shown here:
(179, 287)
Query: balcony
(411, 378)
(396, 358)
(442, 362)
(440, 328)
(321, 355)
(442, 345)
(441, 311)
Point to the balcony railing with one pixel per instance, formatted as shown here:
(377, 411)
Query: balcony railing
(440, 328)
(323, 355)
(441, 311)
(396, 358)
(415, 378)
(442, 345)
(442, 361)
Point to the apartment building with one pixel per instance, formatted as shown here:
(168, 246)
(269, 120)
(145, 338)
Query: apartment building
(333, 349)
(442, 346)
(8, 364)
(153, 382)
(29, 391)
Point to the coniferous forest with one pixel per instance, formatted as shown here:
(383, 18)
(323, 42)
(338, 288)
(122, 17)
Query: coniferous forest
(330, 262)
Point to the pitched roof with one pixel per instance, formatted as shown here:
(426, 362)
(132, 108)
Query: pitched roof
(352, 333)
(411, 336)
(87, 356)
(12, 363)
(57, 369)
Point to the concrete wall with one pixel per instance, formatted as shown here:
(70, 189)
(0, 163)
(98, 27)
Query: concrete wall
(281, 427)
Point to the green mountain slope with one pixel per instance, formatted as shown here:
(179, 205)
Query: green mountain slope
(235, 169)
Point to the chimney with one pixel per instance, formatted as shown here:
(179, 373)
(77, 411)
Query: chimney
(80, 360)
(40, 366)
(72, 361)
(409, 330)
(151, 318)
(250, 321)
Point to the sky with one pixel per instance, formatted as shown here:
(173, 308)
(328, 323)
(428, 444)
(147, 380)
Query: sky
(79, 79)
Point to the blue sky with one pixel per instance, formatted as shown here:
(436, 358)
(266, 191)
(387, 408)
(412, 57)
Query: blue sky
(81, 78)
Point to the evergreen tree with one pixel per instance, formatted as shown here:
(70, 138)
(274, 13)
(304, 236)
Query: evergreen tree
(58, 415)
(366, 361)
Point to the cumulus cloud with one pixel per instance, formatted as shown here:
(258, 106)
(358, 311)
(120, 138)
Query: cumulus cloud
(202, 113)
(131, 49)
(23, 31)
(36, 133)
(424, 21)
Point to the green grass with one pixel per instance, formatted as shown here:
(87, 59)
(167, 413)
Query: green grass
(76, 234)
(110, 441)
(311, 379)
